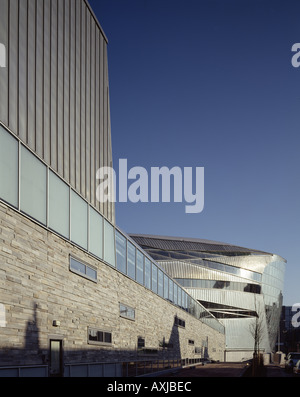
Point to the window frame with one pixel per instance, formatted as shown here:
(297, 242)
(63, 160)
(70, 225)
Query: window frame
(84, 275)
(104, 332)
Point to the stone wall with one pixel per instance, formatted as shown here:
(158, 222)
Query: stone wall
(38, 288)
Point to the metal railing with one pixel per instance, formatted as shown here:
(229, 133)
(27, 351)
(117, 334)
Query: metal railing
(102, 369)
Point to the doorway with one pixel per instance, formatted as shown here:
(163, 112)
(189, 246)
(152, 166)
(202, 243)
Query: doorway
(56, 358)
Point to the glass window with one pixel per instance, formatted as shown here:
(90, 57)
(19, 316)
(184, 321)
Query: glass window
(59, 205)
(154, 278)
(141, 342)
(140, 267)
(121, 252)
(33, 186)
(83, 269)
(98, 336)
(147, 273)
(9, 164)
(131, 260)
(171, 285)
(160, 283)
(127, 312)
(179, 302)
(166, 286)
(175, 293)
(79, 220)
(95, 233)
(109, 244)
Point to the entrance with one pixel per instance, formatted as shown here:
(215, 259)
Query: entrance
(56, 358)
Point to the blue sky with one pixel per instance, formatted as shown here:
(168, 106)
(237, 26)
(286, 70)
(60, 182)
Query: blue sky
(210, 84)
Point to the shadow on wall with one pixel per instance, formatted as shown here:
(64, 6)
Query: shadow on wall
(61, 361)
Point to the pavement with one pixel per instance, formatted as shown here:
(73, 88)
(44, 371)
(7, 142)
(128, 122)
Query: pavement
(236, 370)
(209, 370)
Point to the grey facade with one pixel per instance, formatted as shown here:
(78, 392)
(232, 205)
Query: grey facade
(241, 287)
(77, 295)
(54, 88)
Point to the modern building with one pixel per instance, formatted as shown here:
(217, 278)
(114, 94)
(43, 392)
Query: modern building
(77, 295)
(240, 287)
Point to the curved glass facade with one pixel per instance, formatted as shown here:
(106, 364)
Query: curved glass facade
(237, 285)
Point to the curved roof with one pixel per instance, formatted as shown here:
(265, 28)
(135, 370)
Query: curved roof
(191, 244)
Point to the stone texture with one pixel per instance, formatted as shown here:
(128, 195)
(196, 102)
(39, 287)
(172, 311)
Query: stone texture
(37, 287)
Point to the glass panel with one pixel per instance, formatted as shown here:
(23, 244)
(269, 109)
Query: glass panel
(154, 278)
(179, 297)
(140, 268)
(8, 168)
(79, 221)
(147, 273)
(109, 244)
(96, 233)
(131, 260)
(59, 205)
(121, 252)
(91, 273)
(166, 286)
(33, 186)
(127, 312)
(171, 284)
(160, 283)
(175, 293)
(77, 266)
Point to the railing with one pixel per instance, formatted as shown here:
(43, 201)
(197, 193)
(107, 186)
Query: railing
(116, 369)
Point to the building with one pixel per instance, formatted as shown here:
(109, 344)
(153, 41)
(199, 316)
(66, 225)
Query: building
(240, 287)
(77, 295)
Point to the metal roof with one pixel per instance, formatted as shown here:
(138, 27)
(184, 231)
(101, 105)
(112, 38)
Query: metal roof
(190, 244)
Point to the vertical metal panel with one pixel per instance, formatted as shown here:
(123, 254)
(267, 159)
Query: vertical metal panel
(97, 110)
(101, 109)
(83, 98)
(72, 13)
(31, 75)
(47, 77)
(39, 73)
(105, 121)
(53, 85)
(78, 97)
(92, 107)
(23, 71)
(87, 164)
(13, 65)
(66, 93)
(60, 86)
(4, 71)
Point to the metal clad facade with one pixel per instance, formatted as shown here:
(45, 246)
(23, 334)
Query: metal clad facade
(54, 88)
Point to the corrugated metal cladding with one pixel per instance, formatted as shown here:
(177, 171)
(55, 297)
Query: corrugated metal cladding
(54, 88)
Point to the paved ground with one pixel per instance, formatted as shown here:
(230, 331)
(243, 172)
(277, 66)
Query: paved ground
(275, 371)
(225, 370)
(210, 370)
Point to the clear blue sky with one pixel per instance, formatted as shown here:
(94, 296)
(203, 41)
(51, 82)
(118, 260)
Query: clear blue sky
(209, 83)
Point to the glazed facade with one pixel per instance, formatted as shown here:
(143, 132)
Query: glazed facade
(240, 287)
